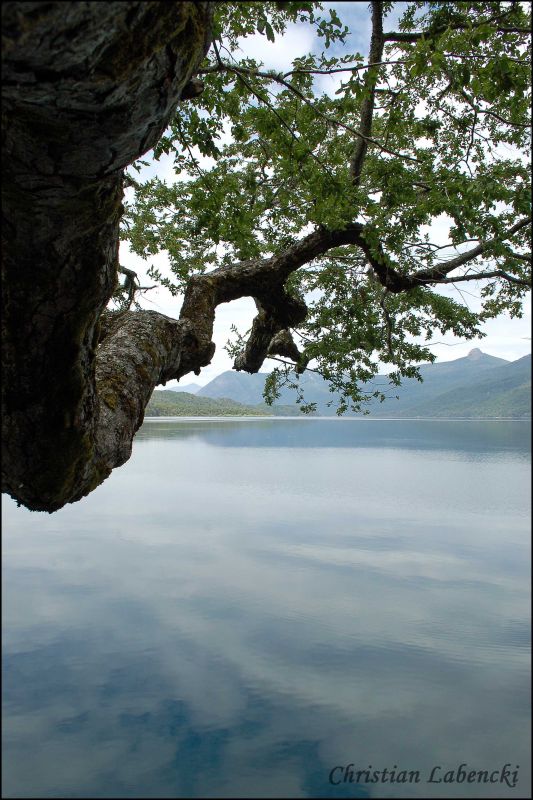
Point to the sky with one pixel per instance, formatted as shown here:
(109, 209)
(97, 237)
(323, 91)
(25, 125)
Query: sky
(504, 337)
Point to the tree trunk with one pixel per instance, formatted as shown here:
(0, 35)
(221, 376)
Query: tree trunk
(87, 88)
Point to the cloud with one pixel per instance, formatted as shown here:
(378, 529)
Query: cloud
(297, 41)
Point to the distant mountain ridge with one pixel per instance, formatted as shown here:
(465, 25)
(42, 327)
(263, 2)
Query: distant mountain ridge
(171, 403)
(190, 388)
(504, 391)
(475, 386)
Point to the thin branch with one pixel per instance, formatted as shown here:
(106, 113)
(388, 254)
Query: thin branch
(435, 247)
(438, 273)
(415, 36)
(342, 69)
(199, 171)
(477, 276)
(466, 158)
(278, 115)
(290, 364)
(489, 112)
(525, 257)
(485, 57)
(217, 54)
(388, 323)
(367, 106)
(278, 78)
(462, 296)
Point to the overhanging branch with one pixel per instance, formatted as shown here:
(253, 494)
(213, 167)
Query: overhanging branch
(477, 276)
(437, 274)
(264, 279)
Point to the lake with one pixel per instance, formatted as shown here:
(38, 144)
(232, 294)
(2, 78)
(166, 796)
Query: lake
(277, 608)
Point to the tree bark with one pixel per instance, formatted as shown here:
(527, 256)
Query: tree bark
(87, 88)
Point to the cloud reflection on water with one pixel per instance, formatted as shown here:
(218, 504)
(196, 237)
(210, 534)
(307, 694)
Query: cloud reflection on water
(313, 606)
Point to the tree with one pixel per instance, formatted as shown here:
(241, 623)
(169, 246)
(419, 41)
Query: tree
(432, 122)
(316, 207)
(87, 88)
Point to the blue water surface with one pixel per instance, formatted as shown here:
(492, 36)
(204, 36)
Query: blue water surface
(250, 606)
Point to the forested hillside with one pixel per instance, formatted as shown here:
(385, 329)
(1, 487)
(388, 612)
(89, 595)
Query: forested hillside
(476, 386)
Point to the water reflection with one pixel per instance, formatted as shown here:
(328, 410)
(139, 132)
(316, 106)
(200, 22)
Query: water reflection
(225, 623)
(469, 436)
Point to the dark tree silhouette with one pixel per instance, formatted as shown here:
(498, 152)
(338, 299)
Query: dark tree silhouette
(87, 88)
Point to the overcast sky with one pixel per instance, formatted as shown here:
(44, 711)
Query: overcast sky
(504, 337)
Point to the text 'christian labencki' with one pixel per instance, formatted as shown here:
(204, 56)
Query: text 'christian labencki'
(438, 774)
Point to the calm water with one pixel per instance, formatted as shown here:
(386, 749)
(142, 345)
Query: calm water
(247, 605)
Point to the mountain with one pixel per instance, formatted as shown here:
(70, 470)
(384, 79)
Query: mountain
(169, 403)
(189, 388)
(239, 386)
(437, 379)
(249, 388)
(503, 392)
(478, 385)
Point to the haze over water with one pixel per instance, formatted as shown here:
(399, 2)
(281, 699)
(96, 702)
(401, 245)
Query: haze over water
(250, 604)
